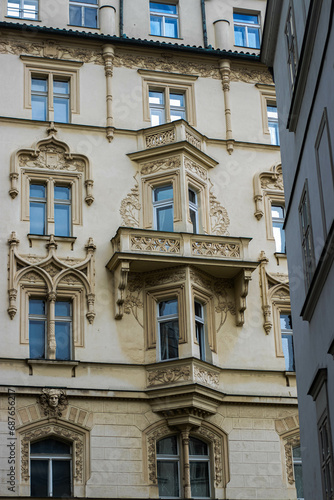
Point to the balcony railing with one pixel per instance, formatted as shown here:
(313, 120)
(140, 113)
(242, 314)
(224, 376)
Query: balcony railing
(168, 133)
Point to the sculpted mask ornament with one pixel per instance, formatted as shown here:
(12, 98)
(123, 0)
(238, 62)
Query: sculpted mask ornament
(53, 402)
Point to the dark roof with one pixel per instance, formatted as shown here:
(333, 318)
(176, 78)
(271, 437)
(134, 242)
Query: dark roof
(124, 40)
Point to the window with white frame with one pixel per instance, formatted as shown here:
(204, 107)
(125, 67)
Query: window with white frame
(50, 468)
(49, 92)
(164, 19)
(306, 236)
(287, 341)
(170, 460)
(166, 106)
(168, 329)
(199, 327)
(246, 30)
(193, 209)
(290, 36)
(277, 215)
(58, 209)
(23, 9)
(163, 210)
(298, 471)
(272, 117)
(42, 316)
(84, 13)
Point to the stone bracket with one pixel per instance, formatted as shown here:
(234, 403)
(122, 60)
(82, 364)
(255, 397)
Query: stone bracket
(121, 275)
(241, 292)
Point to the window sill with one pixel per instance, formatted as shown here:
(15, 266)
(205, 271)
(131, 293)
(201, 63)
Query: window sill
(169, 37)
(290, 379)
(52, 367)
(80, 26)
(246, 47)
(24, 19)
(47, 237)
(280, 257)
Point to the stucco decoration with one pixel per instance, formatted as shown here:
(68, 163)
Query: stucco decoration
(195, 168)
(288, 429)
(217, 444)
(219, 216)
(206, 377)
(54, 156)
(168, 376)
(269, 182)
(53, 273)
(160, 138)
(152, 438)
(133, 302)
(53, 402)
(250, 75)
(291, 442)
(130, 206)
(152, 167)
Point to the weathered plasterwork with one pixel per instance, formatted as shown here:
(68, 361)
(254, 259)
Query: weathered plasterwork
(267, 183)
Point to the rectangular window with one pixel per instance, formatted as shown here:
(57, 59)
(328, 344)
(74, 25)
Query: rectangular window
(50, 93)
(62, 210)
(272, 116)
(37, 328)
(163, 19)
(287, 342)
(199, 326)
(306, 236)
(291, 46)
(277, 215)
(84, 13)
(166, 106)
(163, 208)
(63, 329)
(246, 30)
(193, 209)
(37, 209)
(326, 459)
(23, 9)
(298, 472)
(168, 327)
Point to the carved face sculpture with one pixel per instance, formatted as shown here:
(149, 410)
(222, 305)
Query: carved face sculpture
(53, 399)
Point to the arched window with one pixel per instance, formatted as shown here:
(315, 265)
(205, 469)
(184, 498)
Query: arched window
(170, 454)
(50, 468)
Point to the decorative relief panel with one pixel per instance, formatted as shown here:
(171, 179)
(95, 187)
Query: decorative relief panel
(130, 207)
(215, 249)
(219, 216)
(159, 139)
(195, 168)
(53, 402)
(151, 167)
(146, 244)
(206, 377)
(270, 182)
(250, 75)
(168, 376)
(291, 442)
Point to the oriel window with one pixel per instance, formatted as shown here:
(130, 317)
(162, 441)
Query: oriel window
(168, 328)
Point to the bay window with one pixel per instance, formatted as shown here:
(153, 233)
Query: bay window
(168, 327)
(163, 208)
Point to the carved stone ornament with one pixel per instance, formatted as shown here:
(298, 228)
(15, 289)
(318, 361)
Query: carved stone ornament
(51, 273)
(251, 75)
(160, 138)
(52, 155)
(46, 432)
(217, 442)
(151, 167)
(270, 181)
(195, 168)
(206, 377)
(168, 376)
(153, 437)
(53, 402)
(130, 207)
(291, 442)
(219, 216)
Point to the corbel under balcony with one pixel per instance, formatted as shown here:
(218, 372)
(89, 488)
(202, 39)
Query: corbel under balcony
(139, 250)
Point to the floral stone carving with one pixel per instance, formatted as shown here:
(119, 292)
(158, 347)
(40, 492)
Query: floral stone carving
(168, 376)
(130, 207)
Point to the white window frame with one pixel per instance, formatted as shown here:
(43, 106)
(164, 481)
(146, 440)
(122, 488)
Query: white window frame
(164, 16)
(23, 13)
(193, 207)
(246, 25)
(278, 220)
(90, 6)
(161, 204)
(287, 331)
(274, 136)
(200, 326)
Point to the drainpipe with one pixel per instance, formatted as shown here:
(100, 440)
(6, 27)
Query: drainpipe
(205, 34)
(121, 18)
(225, 71)
(108, 56)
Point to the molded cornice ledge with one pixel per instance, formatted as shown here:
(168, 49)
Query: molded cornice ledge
(271, 25)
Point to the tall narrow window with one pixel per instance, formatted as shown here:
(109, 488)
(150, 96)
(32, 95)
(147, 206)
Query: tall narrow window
(277, 215)
(63, 329)
(306, 234)
(61, 101)
(177, 106)
(163, 19)
(326, 459)
(193, 209)
(163, 208)
(157, 107)
(166, 106)
(37, 328)
(168, 467)
(291, 46)
(37, 209)
(287, 341)
(298, 472)
(84, 13)
(50, 469)
(199, 468)
(23, 9)
(273, 123)
(53, 95)
(62, 210)
(199, 326)
(39, 98)
(246, 30)
(168, 327)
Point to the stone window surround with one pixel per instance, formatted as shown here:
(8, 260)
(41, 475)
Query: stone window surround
(176, 82)
(40, 67)
(267, 97)
(206, 299)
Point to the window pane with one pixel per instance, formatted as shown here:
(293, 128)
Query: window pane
(193, 219)
(169, 339)
(299, 480)
(199, 479)
(39, 107)
(168, 307)
(37, 191)
(90, 17)
(286, 322)
(63, 340)
(197, 447)
(62, 220)
(198, 310)
(239, 36)
(245, 18)
(296, 452)
(61, 478)
(36, 339)
(176, 99)
(167, 446)
(50, 447)
(162, 8)
(253, 38)
(37, 307)
(157, 116)
(277, 212)
(30, 9)
(39, 478)
(192, 196)
(287, 347)
(156, 25)
(163, 193)
(156, 97)
(37, 218)
(165, 219)
(168, 478)
(274, 134)
(39, 85)
(62, 193)
(60, 87)
(61, 109)
(177, 115)
(13, 8)
(171, 27)
(63, 308)
(279, 236)
(75, 15)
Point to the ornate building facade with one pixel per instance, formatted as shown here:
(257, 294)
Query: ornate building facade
(146, 328)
